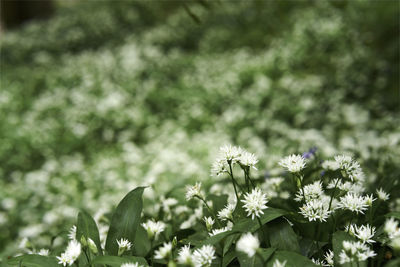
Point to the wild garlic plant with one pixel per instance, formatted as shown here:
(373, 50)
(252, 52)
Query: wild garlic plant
(327, 218)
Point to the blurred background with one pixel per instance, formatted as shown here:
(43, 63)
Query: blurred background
(98, 97)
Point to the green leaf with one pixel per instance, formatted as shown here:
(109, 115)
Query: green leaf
(228, 258)
(141, 246)
(87, 227)
(282, 236)
(249, 225)
(117, 261)
(125, 220)
(219, 202)
(337, 244)
(292, 259)
(33, 260)
(394, 214)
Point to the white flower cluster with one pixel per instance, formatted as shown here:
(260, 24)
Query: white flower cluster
(316, 209)
(272, 187)
(71, 253)
(220, 230)
(392, 229)
(153, 228)
(364, 233)
(201, 257)
(232, 155)
(164, 252)
(226, 213)
(248, 244)
(355, 251)
(123, 245)
(350, 168)
(194, 191)
(293, 163)
(254, 203)
(354, 202)
(310, 192)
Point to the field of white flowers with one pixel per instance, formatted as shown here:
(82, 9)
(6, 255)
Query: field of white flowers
(252, 134)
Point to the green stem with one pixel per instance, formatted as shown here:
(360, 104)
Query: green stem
(333, 194)
(233, 180)
(210, 210)
(87, 257)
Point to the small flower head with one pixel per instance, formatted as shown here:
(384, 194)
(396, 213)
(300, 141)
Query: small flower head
(209, 222)
(365, 233)
(123, 245)
(203, 257)
(153, 228)
(248, 160)
(254, 203)
(72, 233)
(355, 251)
(311, 191)
(226, 213)
(185, 257)
(92, 246)
(248, 244)
(353, 202)
(391, 228)
(293, 163)
(220, 230)
(164, 252)
(194, 191)
(71, 253)
(329, 257)
(382, 195)
(315, 209)
(351, 169)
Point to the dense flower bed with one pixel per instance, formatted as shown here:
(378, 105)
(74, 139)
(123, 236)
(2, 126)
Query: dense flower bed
(92, 110)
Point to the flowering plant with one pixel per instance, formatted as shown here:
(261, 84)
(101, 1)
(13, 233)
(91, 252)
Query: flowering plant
(326, 218)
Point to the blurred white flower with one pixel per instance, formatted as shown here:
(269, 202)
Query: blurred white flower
(71, 253)
(209, 222)
(248, 160)
(123, 245)
(382, 195)
(353, 202)
(355, 251)
(203, 257)
(164, 252)
(329, 257)
(391, 228)
(278, 263)
(248, 244)
(226, 213)
(185, 256)
(220, 230)
(293, 163)
(153, 228)
(194, 191)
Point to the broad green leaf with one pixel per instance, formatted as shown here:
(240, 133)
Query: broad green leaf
(125, 220)
(292, 259)
(33, 260)
(282, 236)
(228, 257)
(228, 242)
(87, 227)
(212, 240)
(219, 202)
(393, 263)
(249, 225)
(257, 260)
(115, 261)
(141, 246)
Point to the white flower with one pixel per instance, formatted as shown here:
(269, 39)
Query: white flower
(219, 167)
(392, 228)
(293, 163)
(318, 262)
(204, 256)
(185, 256)
(92, 246)
(355, 251)
(315, 209)
(350, 168)
(163, 252)
(194, 191)
(43, 252)
(153, 228)
(226, 213)
(220, 230)
(248, 160)
(129, 264)
(365, 233)
(123, 245)
(277, 263)
(72, 233)
(254, 203)
(311, 191)
(382, 195)
(248, 244)
(71, 253)
(329, 257)
(330, 165)
(209, 222)
(369, 199)
(353, 202)
(231, 153)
